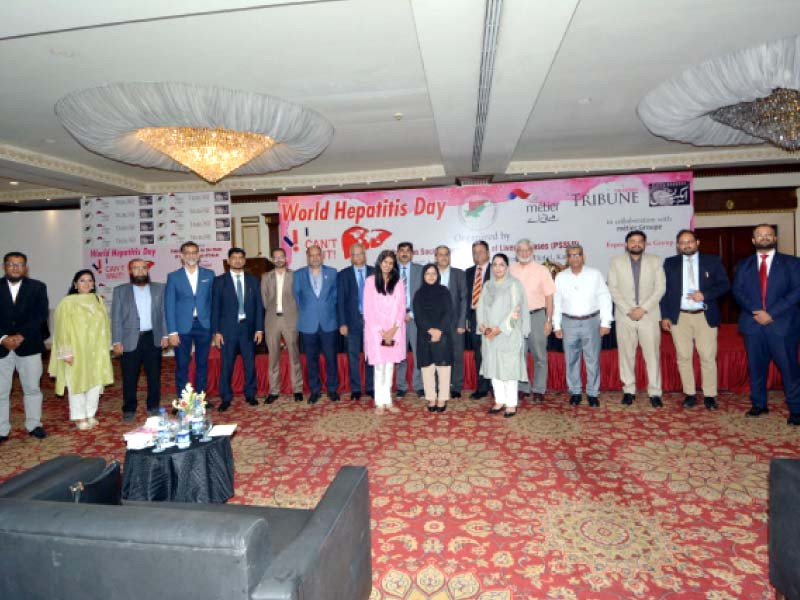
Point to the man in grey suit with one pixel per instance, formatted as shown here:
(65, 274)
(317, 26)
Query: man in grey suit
(411, 275)
(280, 319)
(138, 335)
(455, 281)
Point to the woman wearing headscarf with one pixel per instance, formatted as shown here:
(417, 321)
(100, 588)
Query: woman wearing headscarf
(384, 326)
(433, 313)
(504, 322)
(80, 358)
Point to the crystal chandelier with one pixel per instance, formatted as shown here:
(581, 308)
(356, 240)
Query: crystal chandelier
(775, 118)
(211, 153)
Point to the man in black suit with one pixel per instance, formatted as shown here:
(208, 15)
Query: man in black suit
(476, 276)
(23, 328)
(690, 312)
(237, 320)
(350, 304)
(767, 287)
(455, 281)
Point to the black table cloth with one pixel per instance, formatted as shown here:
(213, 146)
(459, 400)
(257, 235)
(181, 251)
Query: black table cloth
(201, 473)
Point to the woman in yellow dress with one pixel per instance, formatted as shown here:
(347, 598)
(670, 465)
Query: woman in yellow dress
(80, 358)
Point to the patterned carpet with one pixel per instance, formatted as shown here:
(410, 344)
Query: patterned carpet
(557, 503)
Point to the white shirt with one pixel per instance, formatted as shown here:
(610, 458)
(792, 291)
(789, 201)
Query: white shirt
(240, 276)
(14, 289)
(770, 255)
(445, 275)
(580, 295)
(689, 287)
(193, 282)
(279, 290)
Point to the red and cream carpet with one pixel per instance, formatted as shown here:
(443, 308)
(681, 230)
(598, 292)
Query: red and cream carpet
(557, 503)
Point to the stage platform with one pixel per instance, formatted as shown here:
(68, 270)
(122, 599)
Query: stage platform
(731, 369)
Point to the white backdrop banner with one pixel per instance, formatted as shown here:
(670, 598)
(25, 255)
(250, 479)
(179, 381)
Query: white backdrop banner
(595, 212)
(117, 229)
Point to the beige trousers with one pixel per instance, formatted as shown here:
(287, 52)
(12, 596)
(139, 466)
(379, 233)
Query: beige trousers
(693, 330)
(429, 375)
(273, 334)
(647, 334)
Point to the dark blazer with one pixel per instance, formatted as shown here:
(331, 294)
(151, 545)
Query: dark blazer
(347, 296)
(125, 316)
(469, 279)
(458, 292)
(712, 280)
(180, 302)
(314, 313)
(225, 306)
(27, 316)
(783, 294)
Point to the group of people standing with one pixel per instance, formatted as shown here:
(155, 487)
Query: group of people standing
(501, 310)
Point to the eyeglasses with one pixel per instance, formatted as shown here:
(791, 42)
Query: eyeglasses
(15, 265)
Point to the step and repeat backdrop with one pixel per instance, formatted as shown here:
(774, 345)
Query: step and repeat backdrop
(117, 229)
(596, 212)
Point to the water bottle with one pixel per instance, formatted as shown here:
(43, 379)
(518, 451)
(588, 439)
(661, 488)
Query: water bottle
(197, 419)
(183, 439)
(162, 432)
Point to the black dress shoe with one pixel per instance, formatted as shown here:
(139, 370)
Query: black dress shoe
(494, 411)
(420, 393)
(441, 408)
(508, 415)
(400, 394)
(455, 394)
(3, 438)
(298, 397)
(153, 412)
(432, 407)
(271, 398)
(689, 401)
(575, 399)
(627, 399)
(313, 398)
(594, 402)
(710, 403)
(655, 402)
(537, 397)
(224, 406)
(38, 432)
(794, 419)
(333, 396)
(371, 394)
(251, 400)
(128, 416)
(355, 396)
(477, 395)
(209, 405)
(756, 411)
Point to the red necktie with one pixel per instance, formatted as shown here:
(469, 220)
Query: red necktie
(762, 273)
(477, 286)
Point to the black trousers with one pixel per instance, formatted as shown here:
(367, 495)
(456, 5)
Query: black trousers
(148, 354)
(474, 340)
(242, 344)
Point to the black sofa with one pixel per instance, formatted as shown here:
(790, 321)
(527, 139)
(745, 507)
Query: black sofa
(62, 550)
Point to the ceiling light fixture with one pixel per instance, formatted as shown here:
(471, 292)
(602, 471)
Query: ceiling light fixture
(211, 153)
(13, 183)
(183, 127)
(775, 118)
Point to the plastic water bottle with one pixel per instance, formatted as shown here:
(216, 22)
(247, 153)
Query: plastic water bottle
(197, 419)
(183, 439)
(162, 432)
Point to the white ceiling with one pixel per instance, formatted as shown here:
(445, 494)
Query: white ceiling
(568, 75)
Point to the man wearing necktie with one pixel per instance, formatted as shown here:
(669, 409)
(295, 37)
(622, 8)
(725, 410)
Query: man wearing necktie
(350, 304)
(477, 275)
(767, 288)
(690, 313)
(237, 320)
(411, 276)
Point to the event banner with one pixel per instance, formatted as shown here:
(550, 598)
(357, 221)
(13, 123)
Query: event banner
(595, 212)
(117, 229)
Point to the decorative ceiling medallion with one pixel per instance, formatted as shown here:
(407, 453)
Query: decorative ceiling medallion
(209, 130)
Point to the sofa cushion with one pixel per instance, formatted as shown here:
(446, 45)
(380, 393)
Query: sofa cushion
(784, 526)
(40, 471)
(53, 483)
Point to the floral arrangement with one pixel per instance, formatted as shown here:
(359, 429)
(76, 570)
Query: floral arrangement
(186, 401)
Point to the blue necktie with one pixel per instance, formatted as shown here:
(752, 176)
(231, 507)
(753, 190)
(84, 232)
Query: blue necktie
(360, 290)
(405, 285)
(240, 294)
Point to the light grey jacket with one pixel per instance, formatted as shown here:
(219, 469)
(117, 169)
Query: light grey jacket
(125, 316)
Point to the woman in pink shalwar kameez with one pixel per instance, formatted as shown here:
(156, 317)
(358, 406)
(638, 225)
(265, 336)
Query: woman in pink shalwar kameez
(384, 326)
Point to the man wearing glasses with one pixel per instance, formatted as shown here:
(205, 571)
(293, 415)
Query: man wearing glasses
(23, 328)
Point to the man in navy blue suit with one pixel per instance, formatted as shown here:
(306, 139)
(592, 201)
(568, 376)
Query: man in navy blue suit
(350, 304)
(690, 312)
(237, 320)
(314, 290)
(767, 287)
(187, 304)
